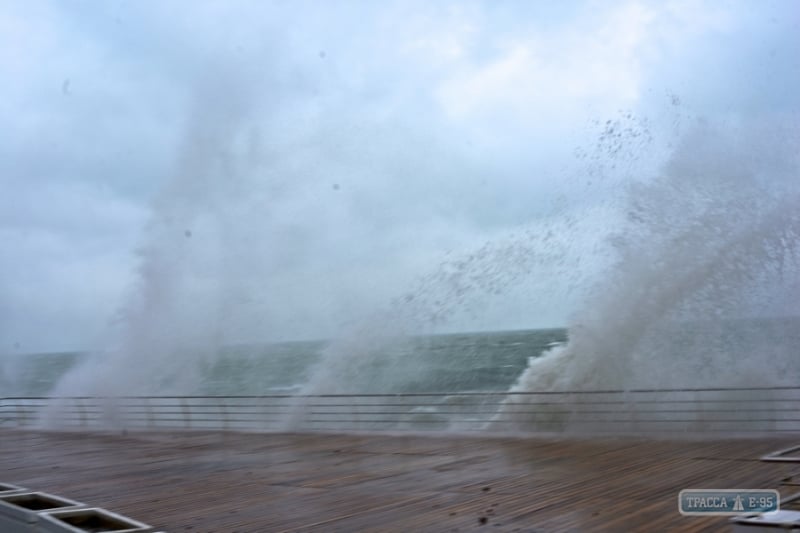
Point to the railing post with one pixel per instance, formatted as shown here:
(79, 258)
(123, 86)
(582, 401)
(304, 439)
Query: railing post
(82, 410)
(224, 412)
(187, 418)
(20, 415)
(148, 412)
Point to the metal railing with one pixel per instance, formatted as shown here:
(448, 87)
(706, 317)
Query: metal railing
(641, 411)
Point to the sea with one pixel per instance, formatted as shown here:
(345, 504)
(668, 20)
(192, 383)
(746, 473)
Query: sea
(734, 376)
(456, 362)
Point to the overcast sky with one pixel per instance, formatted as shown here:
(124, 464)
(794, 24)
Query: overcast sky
(278, 170)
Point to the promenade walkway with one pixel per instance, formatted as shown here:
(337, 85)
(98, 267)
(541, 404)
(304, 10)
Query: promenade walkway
(225, 482)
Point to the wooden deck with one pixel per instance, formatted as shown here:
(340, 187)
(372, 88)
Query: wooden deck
(225, 482)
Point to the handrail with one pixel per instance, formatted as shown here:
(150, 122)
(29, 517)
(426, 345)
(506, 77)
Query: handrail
(431, 393)
(717, 409)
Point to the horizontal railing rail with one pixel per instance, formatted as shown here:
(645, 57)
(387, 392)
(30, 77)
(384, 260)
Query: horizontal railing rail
(728, 410)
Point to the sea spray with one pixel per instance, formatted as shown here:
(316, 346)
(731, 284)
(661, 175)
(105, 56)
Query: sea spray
(385, 351)
(371, 356)
(710, 240)
(174, 320)
(391, 350)
(550, 258)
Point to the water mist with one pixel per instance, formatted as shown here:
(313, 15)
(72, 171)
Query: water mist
(707, 246)
(188, 281)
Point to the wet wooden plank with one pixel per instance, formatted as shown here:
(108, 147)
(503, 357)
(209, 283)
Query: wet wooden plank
(234, 482)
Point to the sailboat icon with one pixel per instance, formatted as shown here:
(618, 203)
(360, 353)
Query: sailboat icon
(737, 503)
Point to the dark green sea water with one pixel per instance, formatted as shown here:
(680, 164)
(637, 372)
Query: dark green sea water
(484, 361)
(452, 362)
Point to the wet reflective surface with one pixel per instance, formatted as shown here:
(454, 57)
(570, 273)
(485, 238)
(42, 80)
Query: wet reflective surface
(216, 481)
